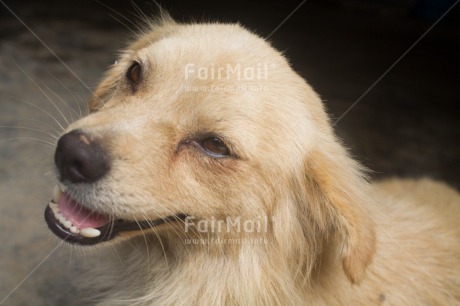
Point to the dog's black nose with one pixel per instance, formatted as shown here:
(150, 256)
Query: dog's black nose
(80, 160)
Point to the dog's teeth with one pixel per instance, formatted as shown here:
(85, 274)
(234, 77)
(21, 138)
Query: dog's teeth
(90, 232)
(62, 187)
(54, 207)
(67, 224)
(56, 194)
(61, 219)
(57, 214)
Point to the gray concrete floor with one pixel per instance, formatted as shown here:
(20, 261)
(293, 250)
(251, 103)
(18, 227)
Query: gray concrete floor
(406, 126)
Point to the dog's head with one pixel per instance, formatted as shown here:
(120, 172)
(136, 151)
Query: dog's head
(209, 121)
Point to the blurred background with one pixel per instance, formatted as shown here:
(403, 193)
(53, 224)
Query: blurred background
(407, 125)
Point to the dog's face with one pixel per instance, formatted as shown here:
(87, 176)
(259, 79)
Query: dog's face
(204, 121)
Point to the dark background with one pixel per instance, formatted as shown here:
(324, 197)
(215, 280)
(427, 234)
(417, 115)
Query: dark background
(407, 125)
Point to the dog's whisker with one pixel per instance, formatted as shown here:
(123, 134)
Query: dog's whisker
(78, 114)
(44, 94)
(114, 248)
(64, 103)
(70, 110)
(181, 231)
(42, 42)
(42, 124)
(158, 237)
(67, 121)
(39, 140)
(49, 173)
(133, 246)
(123, 24)
(132, 23)
(147, 246)
(44, 111)
(140, 14)
(111, 222)
(29, 129)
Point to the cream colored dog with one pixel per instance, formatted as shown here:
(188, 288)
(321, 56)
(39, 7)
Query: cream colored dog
(212, 169)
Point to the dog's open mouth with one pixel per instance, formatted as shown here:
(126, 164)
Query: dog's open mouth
(77, 224)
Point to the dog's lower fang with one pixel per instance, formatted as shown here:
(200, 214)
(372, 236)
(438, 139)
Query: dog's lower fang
(90, 232)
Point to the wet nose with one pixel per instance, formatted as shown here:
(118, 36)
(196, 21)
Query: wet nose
(79, 159)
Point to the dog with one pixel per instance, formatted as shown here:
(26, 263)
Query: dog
(212, 172)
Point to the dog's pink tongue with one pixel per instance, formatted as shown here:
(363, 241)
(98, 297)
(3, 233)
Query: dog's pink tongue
(80, 216)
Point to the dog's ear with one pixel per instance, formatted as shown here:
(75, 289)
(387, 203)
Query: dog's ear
(337, 195)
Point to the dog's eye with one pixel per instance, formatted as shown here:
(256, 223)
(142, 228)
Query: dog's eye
(215, 146)
(134, 73)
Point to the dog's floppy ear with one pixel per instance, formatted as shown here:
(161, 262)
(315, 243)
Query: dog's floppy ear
(337, 197)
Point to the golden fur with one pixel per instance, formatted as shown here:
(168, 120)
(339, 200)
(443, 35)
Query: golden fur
(334, 238)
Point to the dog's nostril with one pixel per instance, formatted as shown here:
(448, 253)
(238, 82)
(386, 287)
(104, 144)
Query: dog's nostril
(80, 160)
(76, 169)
